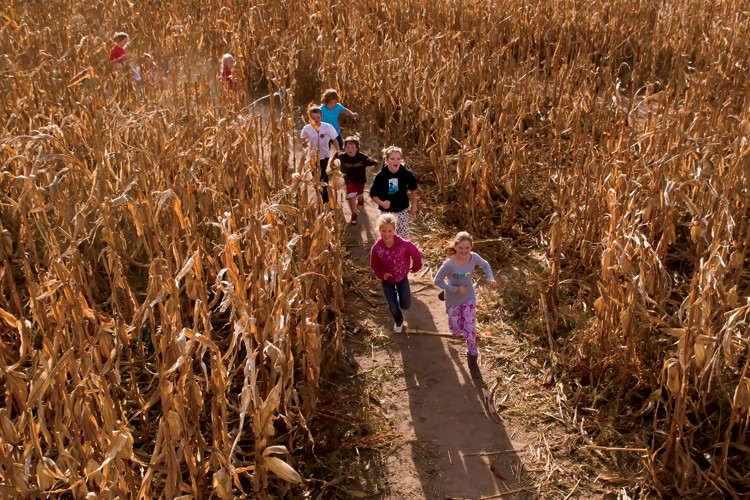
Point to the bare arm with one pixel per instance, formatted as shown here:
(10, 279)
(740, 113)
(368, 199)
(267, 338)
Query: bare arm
(349, 112)
(414, 201)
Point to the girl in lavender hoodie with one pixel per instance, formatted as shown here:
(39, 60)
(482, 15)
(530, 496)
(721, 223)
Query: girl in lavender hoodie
(460, 301)
(391, 258)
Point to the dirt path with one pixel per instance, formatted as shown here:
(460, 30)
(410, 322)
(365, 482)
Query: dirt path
(446, 445)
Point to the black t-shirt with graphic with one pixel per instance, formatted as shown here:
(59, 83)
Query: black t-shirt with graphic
(394, 187)
(354, 167)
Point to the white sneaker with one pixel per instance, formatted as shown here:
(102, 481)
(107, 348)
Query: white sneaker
(398, 328)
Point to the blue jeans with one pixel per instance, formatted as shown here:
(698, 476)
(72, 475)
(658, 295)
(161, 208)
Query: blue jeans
(398, 296)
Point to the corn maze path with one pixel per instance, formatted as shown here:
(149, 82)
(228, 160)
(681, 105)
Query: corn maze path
(447, 445)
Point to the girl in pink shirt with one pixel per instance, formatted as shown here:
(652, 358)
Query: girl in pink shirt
(391, 258)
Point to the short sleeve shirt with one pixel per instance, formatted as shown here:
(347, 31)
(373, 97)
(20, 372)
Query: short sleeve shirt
(354, 167)
(394, 187)
(116, 53)
(319, 140)
(331, 116)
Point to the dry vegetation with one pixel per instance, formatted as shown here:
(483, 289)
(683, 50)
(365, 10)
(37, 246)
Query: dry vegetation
(169, 285)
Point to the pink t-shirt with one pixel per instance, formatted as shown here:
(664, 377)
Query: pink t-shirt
(395, 260)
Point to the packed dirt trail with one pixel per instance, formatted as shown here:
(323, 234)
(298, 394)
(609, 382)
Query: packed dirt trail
(446, 445)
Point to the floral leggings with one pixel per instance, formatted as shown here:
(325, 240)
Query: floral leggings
(402, 223)
(462, 320)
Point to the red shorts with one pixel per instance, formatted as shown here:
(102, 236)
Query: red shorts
(353, 189)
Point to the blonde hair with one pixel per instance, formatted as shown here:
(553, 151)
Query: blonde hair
(386, 219)
(225, 58)
(329, 95)
(392, 149)
(120, 36)
(460, 238)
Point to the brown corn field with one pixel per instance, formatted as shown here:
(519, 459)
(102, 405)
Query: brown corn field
(171, 286)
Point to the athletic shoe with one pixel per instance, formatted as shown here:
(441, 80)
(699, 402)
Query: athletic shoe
(354, 219)
(398, 328)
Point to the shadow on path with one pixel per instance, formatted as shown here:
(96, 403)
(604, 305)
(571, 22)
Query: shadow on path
(449, 418)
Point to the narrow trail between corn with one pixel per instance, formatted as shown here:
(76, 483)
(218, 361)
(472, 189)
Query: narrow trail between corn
(447, 446)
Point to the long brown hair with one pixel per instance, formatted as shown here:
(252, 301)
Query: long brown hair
(329, 94)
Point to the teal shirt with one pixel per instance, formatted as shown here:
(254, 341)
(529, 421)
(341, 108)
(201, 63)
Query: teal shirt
(331, 116)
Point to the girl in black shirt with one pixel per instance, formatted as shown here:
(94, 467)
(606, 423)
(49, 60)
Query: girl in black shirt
(393, 188)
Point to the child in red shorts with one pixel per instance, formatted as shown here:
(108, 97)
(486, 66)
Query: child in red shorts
(354, 167)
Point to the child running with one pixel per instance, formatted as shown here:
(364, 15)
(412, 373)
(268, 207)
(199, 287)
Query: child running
(390, 258)
(228, 79)
(460, 300)
(149, 71)
(118, 54)
(331, 111)
(354, 167)
(318, 136)
(392, 188)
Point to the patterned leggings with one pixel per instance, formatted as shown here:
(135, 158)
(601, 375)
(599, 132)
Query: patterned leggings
(462, 321)
(402, 223)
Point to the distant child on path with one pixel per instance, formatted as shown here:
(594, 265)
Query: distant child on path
(318, 136)
(148, 70)
(117, 54)
(391, 258)
(228, 79)
(392, 188)
(460, 300)
(331, 111)
(354, 167)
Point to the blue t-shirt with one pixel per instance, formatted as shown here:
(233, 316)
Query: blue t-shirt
(332, 115)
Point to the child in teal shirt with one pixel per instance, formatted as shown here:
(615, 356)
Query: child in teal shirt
(331, 111)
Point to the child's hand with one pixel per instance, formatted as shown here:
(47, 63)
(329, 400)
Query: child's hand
(493, 284)
(387, 276)
(461, 290)
(355, 115)
(386, 204)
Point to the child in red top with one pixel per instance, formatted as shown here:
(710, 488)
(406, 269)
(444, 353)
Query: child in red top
(117, 55)
(228, 80)
(390, 258)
